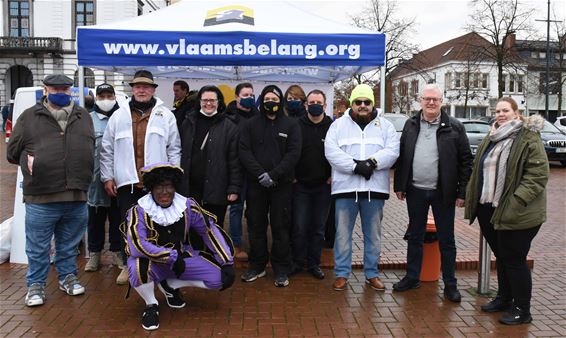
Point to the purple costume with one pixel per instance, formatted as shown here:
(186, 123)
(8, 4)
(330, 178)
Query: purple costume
(152, 248)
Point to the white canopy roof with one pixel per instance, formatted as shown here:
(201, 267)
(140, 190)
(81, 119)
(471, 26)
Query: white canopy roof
(232, 40)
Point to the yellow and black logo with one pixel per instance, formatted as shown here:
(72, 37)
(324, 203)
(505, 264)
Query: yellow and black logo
(229, 14)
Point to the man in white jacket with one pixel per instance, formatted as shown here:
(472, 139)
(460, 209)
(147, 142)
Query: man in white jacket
(361, 147)
(142, 132)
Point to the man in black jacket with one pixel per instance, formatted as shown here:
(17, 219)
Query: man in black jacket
(240, 110)
(209, 154)
(184, 103)
(270, 146)
(432, 171)
(53, 142)
(311, 193)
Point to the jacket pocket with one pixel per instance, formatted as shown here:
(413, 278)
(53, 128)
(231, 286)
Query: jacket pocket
(156, 145)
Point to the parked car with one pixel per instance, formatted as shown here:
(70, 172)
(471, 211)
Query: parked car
(554, 143)
(398, 121)
(560, 123)
(476, 130)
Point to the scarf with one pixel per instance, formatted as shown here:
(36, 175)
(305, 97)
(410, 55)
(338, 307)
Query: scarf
(180, 102)
(495, 163)
(142, 107)
(60, 115)
(164, 216)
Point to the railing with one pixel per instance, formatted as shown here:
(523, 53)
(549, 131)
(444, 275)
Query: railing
(19, 44)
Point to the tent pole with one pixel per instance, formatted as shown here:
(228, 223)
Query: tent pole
(81, 86)
(382, 89)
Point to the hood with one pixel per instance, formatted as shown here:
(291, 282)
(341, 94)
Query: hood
(534, 123)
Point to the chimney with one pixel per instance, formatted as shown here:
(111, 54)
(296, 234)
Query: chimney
(510, 41)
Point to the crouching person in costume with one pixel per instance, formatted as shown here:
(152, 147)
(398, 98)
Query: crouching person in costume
(158, 248)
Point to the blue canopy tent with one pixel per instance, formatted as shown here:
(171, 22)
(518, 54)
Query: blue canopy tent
(232, 40)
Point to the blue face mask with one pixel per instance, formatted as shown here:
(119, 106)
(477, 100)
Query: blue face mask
(59, 99)
(247, 102)
(294, 104)
(316, 109)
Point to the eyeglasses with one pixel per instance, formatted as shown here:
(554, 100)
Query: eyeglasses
(433, 99)
(160, 189)
(208, 101)
(365, 102)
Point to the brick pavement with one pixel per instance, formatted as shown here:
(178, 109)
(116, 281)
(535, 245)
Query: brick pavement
(307, 308)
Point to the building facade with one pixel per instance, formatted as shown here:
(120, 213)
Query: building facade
(38, 39)
(468, 79)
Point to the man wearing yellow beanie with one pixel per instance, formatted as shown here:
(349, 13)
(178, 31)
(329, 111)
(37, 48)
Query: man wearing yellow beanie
(361, 146)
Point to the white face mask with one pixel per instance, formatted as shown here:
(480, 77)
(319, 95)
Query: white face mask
(209, 114)
(105, 105)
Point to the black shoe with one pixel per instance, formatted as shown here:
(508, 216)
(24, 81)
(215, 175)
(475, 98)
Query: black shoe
(516, 316)
(498, 304)
(281, 281)
(173, 296)
(150, 317)
(251, 275)
(406, 283)
(317, 272)
(452, 294)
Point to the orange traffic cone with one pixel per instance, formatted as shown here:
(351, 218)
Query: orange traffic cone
(430, 268)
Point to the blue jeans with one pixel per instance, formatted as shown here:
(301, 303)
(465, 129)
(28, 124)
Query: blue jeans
(310, 211)
(418, 203)
(371, 214)
(236, 213)
(67, 222)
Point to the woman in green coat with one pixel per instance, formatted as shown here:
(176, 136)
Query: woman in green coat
(506, 193)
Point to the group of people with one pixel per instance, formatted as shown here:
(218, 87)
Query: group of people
(164, 180)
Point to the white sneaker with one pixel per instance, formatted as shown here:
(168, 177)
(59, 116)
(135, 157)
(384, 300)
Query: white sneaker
(93, 262)
(123, 277)
(71, 285)
(117, 259)
(35, 295)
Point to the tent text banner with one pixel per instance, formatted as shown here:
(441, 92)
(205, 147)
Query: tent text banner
(159, 48)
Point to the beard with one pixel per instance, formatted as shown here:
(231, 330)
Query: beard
(365, 118)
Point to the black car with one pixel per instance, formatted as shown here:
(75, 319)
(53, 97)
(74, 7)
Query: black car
(476, 130)
(554, 143)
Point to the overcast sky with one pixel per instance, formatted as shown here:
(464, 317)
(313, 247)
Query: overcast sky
(437, 21)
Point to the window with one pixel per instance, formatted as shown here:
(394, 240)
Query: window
(403, 88)
(534, 55)
(542, 55)
(511, 88)
(470, 112)
(475, 80)
(504, 80)
(84, 13)
(89, 78)
(520, 83)
(18, 18)
(484, 78)
(448, 80)
(458, 80)
(415, 87)
(553, 83)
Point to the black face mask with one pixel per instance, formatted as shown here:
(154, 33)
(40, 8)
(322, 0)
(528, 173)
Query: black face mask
(271, 107)
(316, 109)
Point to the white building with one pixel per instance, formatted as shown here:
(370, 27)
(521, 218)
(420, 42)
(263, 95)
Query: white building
(468, 79)
(38, 38)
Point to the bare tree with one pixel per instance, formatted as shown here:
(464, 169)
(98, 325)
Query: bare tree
(498, 21)
(560, 35)
(382, 16)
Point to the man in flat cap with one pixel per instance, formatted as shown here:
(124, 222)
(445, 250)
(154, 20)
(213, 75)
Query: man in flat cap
(142, 132)
(53, 142)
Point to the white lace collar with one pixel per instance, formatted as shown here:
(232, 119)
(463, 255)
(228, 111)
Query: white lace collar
(164, 216)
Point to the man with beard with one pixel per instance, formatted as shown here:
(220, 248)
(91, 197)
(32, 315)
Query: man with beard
(361, 147)
(143, 131)
(270, 146)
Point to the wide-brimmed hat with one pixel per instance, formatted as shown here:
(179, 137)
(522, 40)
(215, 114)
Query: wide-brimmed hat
(143, 77)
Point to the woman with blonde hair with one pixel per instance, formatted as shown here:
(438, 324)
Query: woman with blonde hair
(507, 194)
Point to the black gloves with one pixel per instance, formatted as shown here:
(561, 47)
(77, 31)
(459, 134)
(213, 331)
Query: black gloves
(365, 168)
(179, 265)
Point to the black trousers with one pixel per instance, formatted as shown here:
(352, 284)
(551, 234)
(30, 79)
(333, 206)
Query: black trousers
(97, 217)
(269, 206)
(128, 196)
(510, 248)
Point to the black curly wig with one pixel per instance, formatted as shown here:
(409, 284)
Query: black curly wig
(160, 175)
